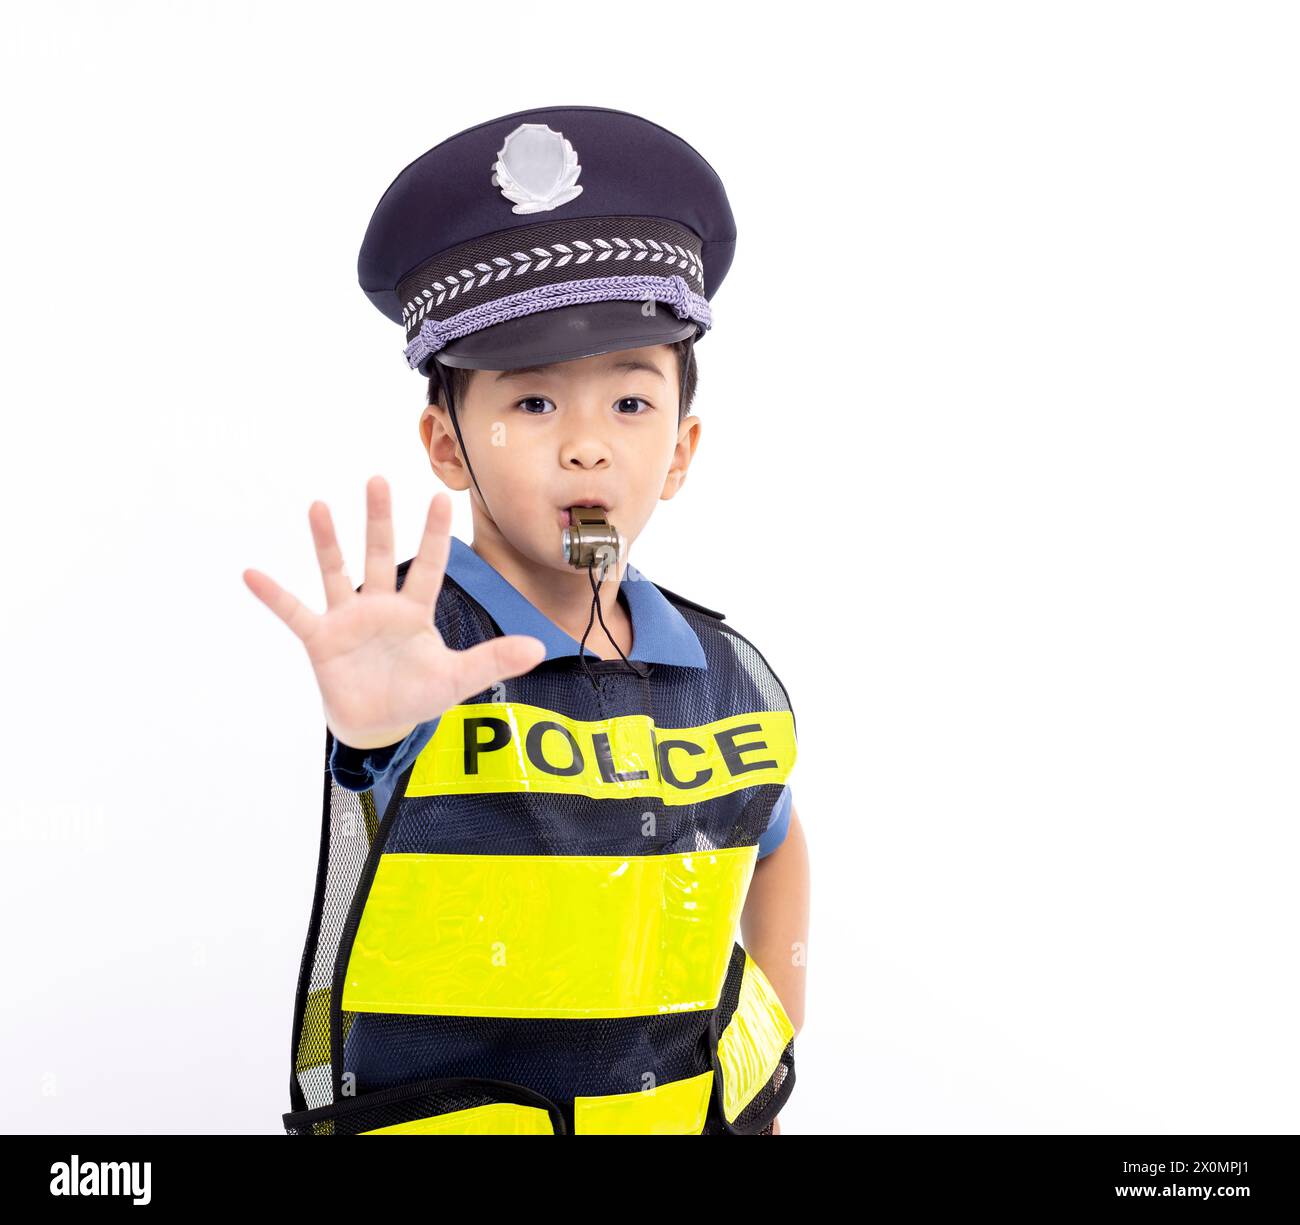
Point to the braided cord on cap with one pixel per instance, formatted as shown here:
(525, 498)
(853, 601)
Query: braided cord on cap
(672, 291)
(549, 264)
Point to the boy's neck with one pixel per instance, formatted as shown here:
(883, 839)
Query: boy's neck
(563, 598)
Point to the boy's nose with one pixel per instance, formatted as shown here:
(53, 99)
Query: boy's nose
(585, 451)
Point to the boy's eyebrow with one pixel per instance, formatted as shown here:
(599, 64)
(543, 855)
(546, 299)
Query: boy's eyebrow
(625, 364)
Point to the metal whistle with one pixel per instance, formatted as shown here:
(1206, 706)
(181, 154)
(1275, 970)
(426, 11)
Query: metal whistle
(591, 537)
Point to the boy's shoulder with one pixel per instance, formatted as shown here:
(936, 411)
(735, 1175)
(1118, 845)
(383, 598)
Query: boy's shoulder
(682, 602)
(724, 644)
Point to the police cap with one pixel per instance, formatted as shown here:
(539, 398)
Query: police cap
(542, 236)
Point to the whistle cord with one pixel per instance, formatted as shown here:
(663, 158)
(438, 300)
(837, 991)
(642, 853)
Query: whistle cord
(582, 646)
(637, 668)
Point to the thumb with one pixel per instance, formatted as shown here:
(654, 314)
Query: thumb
(481, 666)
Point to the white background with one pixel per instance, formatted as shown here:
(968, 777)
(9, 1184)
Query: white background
(998, 469)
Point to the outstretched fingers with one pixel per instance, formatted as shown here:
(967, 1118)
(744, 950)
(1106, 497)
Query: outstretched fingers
(381, 571)
(333, 573)
(424, 574)
(296, 615)
(481, 666)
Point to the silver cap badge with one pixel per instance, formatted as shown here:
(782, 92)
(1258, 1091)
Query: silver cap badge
(536, 169)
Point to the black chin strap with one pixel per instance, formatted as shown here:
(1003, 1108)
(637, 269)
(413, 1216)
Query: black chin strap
(686, 367)
(444, 383)
(638, 669)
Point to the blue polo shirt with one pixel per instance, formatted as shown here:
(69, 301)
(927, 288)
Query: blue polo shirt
(660, 634)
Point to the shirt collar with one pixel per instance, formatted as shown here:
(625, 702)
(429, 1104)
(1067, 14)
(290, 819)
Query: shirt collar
(660, 634)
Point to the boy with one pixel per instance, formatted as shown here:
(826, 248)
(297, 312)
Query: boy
(534, 852)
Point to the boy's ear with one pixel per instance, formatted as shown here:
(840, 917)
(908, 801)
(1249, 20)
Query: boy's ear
(429, 423)
(688, 438)
(440, 445)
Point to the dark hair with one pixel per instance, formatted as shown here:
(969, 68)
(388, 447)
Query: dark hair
(460, 380)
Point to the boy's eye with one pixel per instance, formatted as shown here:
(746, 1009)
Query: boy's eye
(626, 406)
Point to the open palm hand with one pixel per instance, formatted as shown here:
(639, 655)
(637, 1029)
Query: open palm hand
(380, 663)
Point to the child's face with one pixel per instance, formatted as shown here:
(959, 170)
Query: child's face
(597, 429)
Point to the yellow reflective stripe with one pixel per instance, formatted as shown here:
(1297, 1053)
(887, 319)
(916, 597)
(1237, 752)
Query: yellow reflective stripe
(547, 935)
(750, 1047)
(675, 1109)
(369, 815)
(314, 1038)
(497, 1119)
(511, 746)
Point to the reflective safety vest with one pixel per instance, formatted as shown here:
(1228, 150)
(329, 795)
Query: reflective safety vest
(538, 934)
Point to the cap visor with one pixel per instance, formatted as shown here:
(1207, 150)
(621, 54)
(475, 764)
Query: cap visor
(565, 333)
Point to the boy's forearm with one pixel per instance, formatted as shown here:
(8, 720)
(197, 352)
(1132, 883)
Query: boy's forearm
(774, 923)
